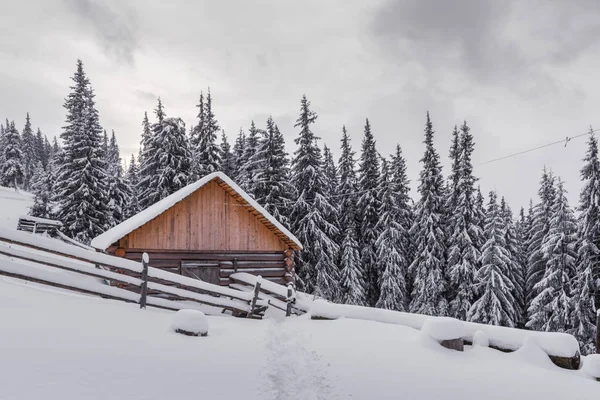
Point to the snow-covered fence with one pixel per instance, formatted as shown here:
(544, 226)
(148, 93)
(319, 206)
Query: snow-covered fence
(55, 263)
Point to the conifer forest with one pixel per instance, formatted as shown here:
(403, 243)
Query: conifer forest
(451, 251)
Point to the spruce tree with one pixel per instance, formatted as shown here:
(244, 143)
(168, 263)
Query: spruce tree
(352, 279)
(316, 264)
(29, 155)
(120, 191)
(270, 167)
(239, 148)
(41, 186)
(404, 213)
(390, 247)
(81, 183)
(133, 207)
(250, 163)
(495, 304)
(166, 159)
(204, 147)
(428, 233)
(466, 235)
(41, 151)
(583, 303)
(347, 187)
(549, 310)
(540, 224)
(12, 170)
(2, 146)
(226, 157)
(516, 272)
(368, 208)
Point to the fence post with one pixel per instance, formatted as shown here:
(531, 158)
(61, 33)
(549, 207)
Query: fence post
(289, 299)
(598, 331)
(144, 285)
(256, 291)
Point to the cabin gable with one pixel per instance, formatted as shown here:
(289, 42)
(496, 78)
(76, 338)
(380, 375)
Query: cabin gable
(209, 219)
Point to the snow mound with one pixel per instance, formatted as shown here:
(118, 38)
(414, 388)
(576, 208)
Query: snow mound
(532, 353)
(443, 328)
(190, 322)
(481, 339)
(591, 365)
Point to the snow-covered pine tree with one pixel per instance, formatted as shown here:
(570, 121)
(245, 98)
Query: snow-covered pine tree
(390, 247)
(495, 304)
(40, 149)
(540, 224)
(145, 135)
(367, 208)
(583, 305)
(352, 279)
(466, 235)
(120, 191)
(81, 183)
(226, 157)
(133, 206)
(196, 133)
(2, 146)
(523, 227)
(347, 184)
(404, 213)
(250, 163)
(428, 233)
(272, 187)
(41, 186)
(29, 155)
(316, 264)
(480, 212)
(549, 310)
(453, 180)
(239, 148)
(516, 273)
(204, 147)
(331, 185)
(166, 159)
(12, 170)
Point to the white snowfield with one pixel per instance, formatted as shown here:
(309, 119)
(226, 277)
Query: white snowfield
(556, 344)
(62, 346)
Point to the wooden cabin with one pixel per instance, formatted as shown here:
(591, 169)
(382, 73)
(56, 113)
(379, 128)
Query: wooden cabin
(207, 230)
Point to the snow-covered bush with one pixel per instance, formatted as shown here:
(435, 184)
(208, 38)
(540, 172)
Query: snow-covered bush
(190, 323)
(481, 339)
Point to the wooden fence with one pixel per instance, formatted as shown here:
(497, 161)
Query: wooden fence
(54, 263)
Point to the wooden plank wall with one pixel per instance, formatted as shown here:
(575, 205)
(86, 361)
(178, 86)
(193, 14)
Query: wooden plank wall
(209, 219)
(270, 265)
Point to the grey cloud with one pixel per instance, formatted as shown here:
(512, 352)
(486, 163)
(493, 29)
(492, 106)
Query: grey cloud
(446, 30)
(114, 30)
(146, 96)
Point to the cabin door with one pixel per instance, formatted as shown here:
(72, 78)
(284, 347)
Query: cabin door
(207, 272)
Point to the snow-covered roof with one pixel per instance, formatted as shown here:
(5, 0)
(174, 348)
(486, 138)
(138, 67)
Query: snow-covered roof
(103, 241)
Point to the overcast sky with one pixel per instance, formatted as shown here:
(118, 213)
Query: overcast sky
(522, 73)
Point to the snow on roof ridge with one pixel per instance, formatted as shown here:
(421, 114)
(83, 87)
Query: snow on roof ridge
(103, 241)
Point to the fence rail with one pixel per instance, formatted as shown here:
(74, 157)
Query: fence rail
(55, 263)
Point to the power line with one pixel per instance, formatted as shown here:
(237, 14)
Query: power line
(565, 141)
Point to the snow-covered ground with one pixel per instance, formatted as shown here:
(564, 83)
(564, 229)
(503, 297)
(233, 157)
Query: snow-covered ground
(13, 205)
(59, 345)
(55, 345)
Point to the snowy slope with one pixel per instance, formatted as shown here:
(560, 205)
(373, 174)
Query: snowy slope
(12, 205)
(63, 346)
